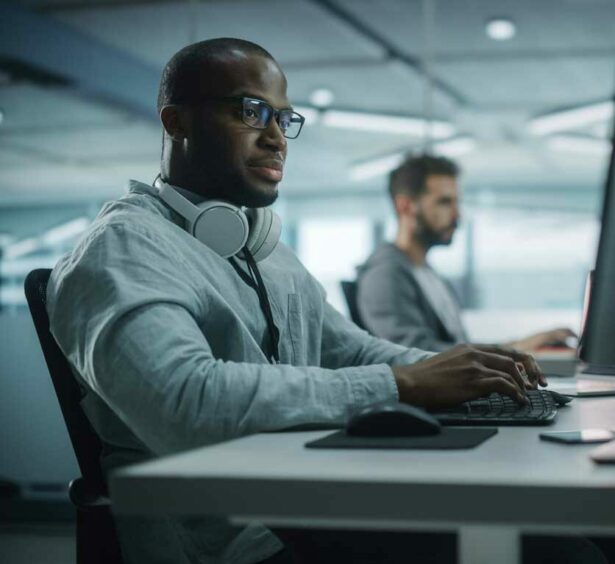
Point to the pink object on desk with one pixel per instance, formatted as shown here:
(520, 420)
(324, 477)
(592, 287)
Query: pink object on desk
(604, 454)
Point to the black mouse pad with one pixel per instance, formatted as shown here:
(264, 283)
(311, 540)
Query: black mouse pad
(448, 438)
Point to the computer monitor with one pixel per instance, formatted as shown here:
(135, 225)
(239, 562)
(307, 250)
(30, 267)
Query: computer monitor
(599, 338)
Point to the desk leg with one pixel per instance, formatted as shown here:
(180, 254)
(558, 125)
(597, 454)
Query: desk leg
(487, 545)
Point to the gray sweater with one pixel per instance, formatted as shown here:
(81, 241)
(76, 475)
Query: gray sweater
(166, 339)
(412, 306)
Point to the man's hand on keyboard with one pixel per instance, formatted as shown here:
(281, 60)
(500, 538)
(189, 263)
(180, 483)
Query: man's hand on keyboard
(467, 372)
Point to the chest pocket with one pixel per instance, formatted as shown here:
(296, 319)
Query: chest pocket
(296, 329)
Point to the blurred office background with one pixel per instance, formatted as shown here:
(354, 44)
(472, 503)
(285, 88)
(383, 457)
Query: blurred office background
(519, 93)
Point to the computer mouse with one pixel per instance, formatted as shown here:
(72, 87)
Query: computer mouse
(392, 419)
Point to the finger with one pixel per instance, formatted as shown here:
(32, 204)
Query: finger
(532, 369)
(496, 382)
(565, 332)
(529, 384)
(506, 365)
(534, 373)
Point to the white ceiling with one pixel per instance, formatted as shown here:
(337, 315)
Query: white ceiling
(59, 143)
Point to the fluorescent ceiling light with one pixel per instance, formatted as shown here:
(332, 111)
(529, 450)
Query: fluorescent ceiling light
(455, 147)
(311, 115)
(602, 130)
(572, 119)
(381, 123)
(384, 164)
(21, 248)
(579, 145)
(65, 231)
(376, 167)
(51, 237)
(500, 29)
(322, 97)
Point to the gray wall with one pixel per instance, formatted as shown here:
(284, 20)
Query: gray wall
(34, 443)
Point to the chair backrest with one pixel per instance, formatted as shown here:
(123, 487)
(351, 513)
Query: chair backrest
(85, 441)
(350, 293)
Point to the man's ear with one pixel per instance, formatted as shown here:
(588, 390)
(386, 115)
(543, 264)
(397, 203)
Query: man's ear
(405, 206)
(173, 122)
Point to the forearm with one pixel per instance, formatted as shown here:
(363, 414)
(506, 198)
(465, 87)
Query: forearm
(174, 395)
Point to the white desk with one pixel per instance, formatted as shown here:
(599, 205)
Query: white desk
(512, 483)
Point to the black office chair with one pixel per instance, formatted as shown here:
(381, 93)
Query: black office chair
(97, 541)
(350, 293)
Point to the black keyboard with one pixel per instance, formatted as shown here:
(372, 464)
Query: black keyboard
(498, 409)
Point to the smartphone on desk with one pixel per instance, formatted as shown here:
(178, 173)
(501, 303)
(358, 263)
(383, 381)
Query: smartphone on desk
(579, 437)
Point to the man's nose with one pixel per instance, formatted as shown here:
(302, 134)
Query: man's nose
(273, 137)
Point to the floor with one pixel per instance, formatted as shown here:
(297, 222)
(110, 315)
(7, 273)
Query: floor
(25, 543)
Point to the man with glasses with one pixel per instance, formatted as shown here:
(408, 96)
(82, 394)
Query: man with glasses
(177, 346)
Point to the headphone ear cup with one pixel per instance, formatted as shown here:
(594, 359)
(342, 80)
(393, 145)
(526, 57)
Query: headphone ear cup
(265, 230)
(222, 227)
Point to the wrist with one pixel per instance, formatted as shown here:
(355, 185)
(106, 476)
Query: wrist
(405, 382)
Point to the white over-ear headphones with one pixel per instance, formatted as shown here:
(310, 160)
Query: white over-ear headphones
(225, 228)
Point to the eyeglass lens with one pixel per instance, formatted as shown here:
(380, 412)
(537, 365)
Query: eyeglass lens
(258, 114)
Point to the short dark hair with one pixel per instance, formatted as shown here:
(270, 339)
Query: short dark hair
(410, 177)
(181, 75)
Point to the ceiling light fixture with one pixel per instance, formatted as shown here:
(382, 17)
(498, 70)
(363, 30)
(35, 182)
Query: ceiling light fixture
(571, 119)
(382, 123)
(322, 97)
(65, 231)
(602, 130)
(23, 247)
(384, 164)
(455, 147)
(500, 29)
(311, 115)
(49, 238)
(579, 144)
(376, 167)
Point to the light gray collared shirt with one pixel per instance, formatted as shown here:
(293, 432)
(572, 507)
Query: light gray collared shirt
(167, 341)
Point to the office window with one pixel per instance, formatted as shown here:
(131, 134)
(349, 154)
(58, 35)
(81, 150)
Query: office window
(331, 249)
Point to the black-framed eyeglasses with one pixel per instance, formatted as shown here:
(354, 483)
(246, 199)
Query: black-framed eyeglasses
(258, 113)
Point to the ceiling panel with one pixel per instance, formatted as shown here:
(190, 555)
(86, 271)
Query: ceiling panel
(385, 87)
(29, 108)
(117, 143)
(293, 30)
(533, 84)
(14, 158)
(55, 144)
(52, 183)
(542, 25)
